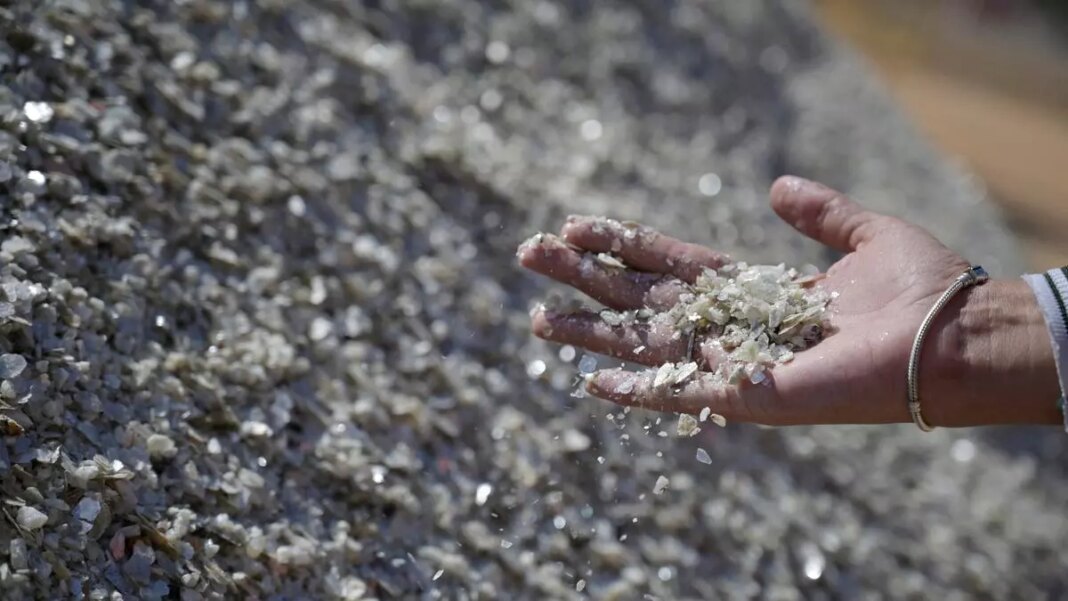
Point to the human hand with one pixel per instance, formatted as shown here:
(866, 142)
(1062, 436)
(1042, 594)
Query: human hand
(891, 276)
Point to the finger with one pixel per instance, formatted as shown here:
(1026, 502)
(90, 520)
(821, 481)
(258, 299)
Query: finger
(616, 288)
(649, 343)
(642, 247)
(824, 214)
(745, 403)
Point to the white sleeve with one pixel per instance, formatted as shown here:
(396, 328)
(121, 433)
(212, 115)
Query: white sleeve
(1051, 290)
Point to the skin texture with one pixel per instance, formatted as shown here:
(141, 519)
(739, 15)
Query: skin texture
(987, 359)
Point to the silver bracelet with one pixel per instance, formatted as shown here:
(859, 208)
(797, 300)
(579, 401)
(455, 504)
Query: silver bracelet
(973, 276)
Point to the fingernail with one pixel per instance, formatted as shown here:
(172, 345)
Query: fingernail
(573, 225)
(553, 241)
(537, 309)
(591, 383)
(795, 183)
(529, 243)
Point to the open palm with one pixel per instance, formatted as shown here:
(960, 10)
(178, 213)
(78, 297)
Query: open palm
(890, 276)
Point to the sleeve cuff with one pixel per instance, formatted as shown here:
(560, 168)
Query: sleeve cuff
(1051, 290)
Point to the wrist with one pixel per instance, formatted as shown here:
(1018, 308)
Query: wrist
(992, 362)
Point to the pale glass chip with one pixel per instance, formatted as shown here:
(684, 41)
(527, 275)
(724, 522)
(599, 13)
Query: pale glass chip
(587, 365)
(684, 371)
(687, 425)
(610, 261)
(664, 375)
(703, 457)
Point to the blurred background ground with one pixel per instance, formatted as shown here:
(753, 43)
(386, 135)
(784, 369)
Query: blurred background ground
(987, 81)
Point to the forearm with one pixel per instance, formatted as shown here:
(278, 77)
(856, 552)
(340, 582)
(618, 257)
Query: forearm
(993, 360)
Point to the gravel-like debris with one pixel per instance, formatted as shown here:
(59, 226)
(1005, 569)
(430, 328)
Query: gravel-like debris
(262, 334)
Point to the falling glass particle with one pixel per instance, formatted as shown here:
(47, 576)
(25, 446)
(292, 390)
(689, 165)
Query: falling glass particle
(296, 206)
(661, 484)
(963, 450)
(491, 100)
(576, 441)
(482, 493)
(567, 353)
(559, 522)
(687, 426)
(591, 130)
(587, 365)
(814, 565)
(709, 184)
(580, 585)
(36, 177)
(665, 573)
(702, 456)
(442, 114)
(506, 544)
(438, 574)
(497, 52)
(535, 368)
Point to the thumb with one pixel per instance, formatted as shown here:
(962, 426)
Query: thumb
(824, 214)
